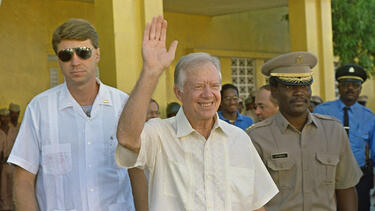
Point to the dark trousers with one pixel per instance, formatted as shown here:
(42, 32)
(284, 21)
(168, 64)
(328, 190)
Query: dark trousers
(363, 189)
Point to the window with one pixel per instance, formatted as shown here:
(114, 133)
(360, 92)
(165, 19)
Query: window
(243, 75)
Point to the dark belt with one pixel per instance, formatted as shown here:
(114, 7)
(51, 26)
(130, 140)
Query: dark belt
(367, 168)
(364, 168)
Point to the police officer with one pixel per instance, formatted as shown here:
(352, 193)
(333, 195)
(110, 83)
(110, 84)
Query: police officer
(308, 155)
(359, 123)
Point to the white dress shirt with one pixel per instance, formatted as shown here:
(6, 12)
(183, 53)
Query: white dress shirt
(187, 172)
(72, 154)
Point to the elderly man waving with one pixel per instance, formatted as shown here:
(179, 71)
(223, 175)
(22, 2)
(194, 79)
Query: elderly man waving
(193, 161)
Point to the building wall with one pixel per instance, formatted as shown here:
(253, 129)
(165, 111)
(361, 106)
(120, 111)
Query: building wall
(369, 90)
(260, 32)
(26, 28)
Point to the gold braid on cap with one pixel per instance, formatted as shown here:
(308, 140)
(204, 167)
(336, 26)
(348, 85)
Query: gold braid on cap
(294, 77)
(350, 77)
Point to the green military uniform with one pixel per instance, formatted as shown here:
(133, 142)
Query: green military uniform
(306, 166)
(310, 163)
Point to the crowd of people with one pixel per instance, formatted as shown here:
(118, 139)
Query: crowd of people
(9, 127)
(84, 145)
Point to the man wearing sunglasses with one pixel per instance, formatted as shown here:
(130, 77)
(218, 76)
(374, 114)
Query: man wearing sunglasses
(359, 123)
(64, 151)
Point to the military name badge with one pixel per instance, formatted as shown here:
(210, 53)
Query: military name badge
(279, 155)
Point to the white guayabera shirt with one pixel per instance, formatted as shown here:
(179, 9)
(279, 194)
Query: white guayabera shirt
(73, 154)
(187, 172)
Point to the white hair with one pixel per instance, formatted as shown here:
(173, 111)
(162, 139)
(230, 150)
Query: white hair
(190, 61)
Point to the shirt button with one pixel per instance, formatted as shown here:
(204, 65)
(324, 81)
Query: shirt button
(89, 143)
(90, 165)
(92, 189)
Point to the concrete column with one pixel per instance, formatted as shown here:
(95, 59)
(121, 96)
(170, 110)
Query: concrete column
(260, 78)
(311, 30)
(120, 24)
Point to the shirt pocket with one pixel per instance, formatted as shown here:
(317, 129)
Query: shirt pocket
(327, 167)
(242, 184)
(176, 179)
(282, 172)
(360, 134)
(57, 159)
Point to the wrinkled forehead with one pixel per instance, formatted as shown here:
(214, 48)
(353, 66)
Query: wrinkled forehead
(204, 72)
(263, 93)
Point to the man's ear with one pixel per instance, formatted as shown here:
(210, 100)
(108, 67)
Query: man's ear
(178, 93)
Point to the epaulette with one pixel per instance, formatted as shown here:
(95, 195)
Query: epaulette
(325, 117)
(263, 123)
(248, 129)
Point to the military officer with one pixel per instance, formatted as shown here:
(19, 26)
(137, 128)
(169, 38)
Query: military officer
(359, 123)
(7, 136)
(308, 155)
(14, 114)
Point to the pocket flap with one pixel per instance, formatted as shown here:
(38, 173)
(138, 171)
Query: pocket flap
(280, 164)
(327, 159)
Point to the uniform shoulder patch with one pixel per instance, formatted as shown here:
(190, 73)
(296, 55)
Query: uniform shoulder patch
(263, 123)
(325, 117)
(251, 126)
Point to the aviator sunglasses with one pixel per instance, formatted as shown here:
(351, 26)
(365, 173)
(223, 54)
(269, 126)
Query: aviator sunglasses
(67, 54)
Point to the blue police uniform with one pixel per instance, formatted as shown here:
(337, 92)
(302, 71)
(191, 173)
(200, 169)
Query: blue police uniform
(361, 126)
(359, 122)
(242, 121)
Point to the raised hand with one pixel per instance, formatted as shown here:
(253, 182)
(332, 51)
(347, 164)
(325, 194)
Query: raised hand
(156, 58)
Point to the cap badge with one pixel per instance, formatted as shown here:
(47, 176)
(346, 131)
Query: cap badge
(351, 70)
(299, 60)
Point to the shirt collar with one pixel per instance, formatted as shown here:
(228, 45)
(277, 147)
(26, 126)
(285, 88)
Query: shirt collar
(67, 100)
(283, 123)
(184, 128)
(342, 105)
(239, 116)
